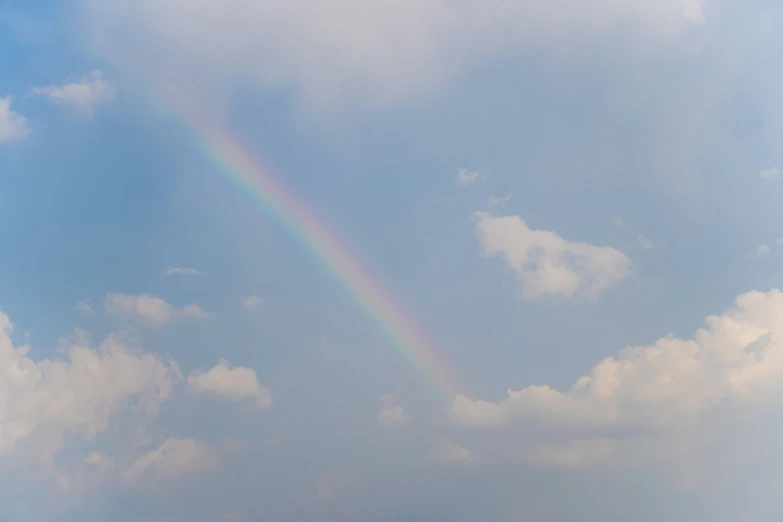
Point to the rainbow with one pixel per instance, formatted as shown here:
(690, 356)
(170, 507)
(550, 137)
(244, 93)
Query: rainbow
(256, 181)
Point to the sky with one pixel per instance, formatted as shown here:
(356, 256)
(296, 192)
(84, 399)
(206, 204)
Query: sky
(390, 261)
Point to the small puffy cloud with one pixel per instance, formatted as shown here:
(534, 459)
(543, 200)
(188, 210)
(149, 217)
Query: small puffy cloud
(13, 126)
(761, 251)
(183, 271)
(770, 173)
(84, 307)
(83, 94)
(497, 201)
(451, 452)
(391, 415)
(173, 459)
(546, 264)
(252, 302)
(230, 383)
(618, 221)
(149, 309)
(645, 243)
(468, 177)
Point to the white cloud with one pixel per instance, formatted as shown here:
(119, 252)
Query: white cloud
(451, 452)
(618, 221)
(252, 302)
(183, 271)
(99, 460)
(391, 415)
(328, 49)
(44, 403)
(761, 250)
(84, 307)
(645, 243)
(648, 396)
(174, 458)
(150, 309)
(779, 241)
(83, 94)
(13, 126)
(468, 177)
(545, 263)
(770, 173)
(230, 383)
(497, 201)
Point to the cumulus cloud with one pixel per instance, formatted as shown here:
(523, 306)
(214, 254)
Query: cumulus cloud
(149, 309)
(770, 173)
(183, 271)
(391, 415)
(174, 458)
(546, 264)
(44, 403)
(230, 383)
(647, 396)
(343, 48)
(761, 251)
(251, 302)
(13, 126)
(83, 94)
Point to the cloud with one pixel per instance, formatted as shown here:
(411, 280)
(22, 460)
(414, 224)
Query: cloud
(496, 201)
(761, 251)
(252, 302)
(779, 241)
(640, 402)
(467, 178)
(173, 459)
(618, 221)
(391, 415)
(230, 383)
(352, 49)
(451, 452)
(149, 309)
(44, 403)
(183, 271)
(13, 126)
(84, 307)
(770, 173)
(645, 243)
(84, 94)
(546, 264)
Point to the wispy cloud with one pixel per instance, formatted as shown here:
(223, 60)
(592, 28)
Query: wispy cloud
(84, 307)
(183, 271)
(150, 309)
(499, 201)
(252, 302)
(770, 173)
(83, 94)
(13, 126)
(468, 177)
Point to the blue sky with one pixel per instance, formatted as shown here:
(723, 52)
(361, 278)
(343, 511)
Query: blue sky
(578, 201)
